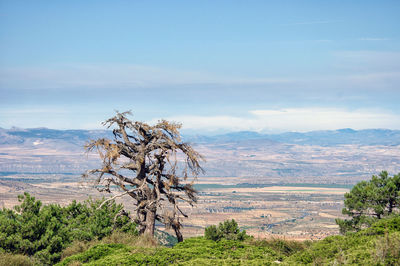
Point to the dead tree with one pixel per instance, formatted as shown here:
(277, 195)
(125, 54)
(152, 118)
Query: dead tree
(143, 161)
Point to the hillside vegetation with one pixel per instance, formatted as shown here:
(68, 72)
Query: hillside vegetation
(95, 233)
(378, 245)
(83, 234)
(43, 232)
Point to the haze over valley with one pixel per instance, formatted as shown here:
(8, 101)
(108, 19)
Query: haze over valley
(291, 103)
(343, 156)
(289, 184)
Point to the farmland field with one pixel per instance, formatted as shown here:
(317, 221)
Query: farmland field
(295, 211)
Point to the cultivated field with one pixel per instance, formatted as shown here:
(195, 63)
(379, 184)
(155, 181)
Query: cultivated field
(302, 211)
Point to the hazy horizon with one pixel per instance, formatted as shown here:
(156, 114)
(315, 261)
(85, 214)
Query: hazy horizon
(193, 133)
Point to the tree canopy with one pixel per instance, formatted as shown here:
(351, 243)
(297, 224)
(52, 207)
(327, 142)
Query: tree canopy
(43, 231)
(371, 200)
(152, 165)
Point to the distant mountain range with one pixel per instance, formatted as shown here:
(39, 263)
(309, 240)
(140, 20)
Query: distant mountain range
(20, 135)
(342, 156)
(322, 138)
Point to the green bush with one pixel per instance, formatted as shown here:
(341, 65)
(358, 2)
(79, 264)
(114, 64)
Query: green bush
(283, 248)
(367, 247)
(377, 245)
(387, 225)
(227, 230)
(44, 231)
(192, 251)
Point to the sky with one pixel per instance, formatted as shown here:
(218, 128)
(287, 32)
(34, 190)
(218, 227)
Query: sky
(215, 66)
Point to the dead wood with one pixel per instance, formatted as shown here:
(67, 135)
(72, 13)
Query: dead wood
(142, 162)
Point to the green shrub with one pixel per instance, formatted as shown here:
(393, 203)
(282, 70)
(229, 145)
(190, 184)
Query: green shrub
(192, 251)
(377, 245)
(390, 224)
(354, 249)
(95, 253)
(44, 231)
(283, 248)
(227, 230)
(211, 232)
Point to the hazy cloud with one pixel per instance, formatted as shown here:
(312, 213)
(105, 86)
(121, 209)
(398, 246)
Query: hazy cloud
(112, 76)
(293, 119)
(359, 80)
(354, 71)
(373, 39)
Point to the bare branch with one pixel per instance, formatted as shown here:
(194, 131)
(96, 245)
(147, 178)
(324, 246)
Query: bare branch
(142, 161)
(116, 196)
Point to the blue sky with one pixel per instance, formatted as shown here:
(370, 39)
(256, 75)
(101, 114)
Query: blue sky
(215, 66)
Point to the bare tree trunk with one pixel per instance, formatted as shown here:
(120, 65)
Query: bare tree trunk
(150, 222)
(141, 230)
(140, 220)
(178, 233)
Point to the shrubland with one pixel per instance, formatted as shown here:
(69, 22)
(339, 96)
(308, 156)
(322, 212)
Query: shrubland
(44, 231)
(378, 245)
(94, 233)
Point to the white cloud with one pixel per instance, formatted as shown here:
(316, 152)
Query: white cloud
(293, 119)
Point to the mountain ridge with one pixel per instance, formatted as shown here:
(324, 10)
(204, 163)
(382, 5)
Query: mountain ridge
(378, 136)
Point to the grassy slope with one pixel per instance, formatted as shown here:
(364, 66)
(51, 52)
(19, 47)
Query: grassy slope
(379, 245)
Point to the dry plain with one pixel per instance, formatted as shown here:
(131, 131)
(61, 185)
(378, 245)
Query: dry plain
(305, 211)
(272, 188)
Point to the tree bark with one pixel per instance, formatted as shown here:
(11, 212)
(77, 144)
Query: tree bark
(178, 233)
(150, 222)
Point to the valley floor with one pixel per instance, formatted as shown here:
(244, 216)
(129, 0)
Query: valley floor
(294, 211)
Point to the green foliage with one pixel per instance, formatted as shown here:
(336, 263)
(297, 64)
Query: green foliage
(227, 230)
(355, 249)
(377, 245)
(211, 232)
(369, 201)
(193, 251)
(142, 242)
(367, 247)
(283, 248)
(388, 225)
(44, 231)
